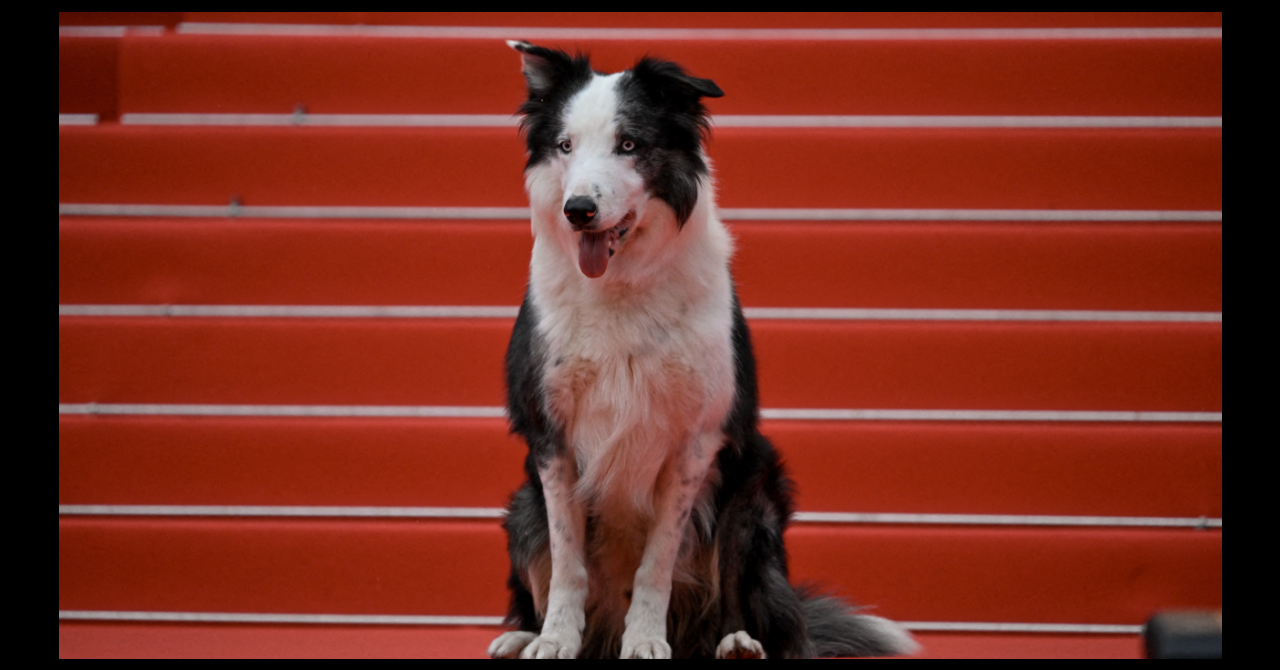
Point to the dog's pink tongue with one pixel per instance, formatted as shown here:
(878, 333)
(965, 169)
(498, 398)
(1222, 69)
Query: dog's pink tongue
(593, 253)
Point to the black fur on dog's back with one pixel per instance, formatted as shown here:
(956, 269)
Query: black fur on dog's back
(743, 538)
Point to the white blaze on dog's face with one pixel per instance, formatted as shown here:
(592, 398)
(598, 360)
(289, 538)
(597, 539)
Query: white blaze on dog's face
(603, 196)
(615, 161)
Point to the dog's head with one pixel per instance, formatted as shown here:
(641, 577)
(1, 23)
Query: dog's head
(606, 152)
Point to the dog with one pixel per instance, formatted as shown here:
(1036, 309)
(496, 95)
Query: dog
(651, 524)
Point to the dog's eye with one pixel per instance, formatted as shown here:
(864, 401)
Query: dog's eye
(566, 146)
(628, 146)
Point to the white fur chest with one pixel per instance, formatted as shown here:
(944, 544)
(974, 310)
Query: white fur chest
(634, 379)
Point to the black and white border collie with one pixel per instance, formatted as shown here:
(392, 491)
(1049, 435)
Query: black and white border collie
(651, 524)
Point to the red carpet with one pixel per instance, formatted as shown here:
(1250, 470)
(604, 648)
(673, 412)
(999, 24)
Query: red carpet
(1148, 251)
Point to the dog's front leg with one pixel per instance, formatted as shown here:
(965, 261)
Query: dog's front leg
(677, 488)
(562, 628)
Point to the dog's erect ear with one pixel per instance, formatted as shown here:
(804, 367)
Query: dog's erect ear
(543, 67)
(669, 82)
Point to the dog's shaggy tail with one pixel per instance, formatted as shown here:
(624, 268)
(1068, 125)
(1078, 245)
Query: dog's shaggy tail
(836, 629)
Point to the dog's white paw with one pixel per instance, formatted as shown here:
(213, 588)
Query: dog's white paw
(739, 645)
(510, 644)
(644, 647)
(553, 645)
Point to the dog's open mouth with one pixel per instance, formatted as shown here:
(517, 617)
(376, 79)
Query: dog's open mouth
(595, 249)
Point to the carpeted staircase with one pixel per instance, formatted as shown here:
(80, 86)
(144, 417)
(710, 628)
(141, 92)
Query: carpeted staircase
(981, 257)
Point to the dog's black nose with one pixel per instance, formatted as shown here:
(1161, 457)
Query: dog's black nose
(581, 211)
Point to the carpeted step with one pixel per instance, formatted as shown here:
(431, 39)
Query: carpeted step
(718, 19)
(1020, 468)
(1162, 266)
(1107, 169)
(339, 74)
(454, 567)
(803, 364)
(79, 639)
